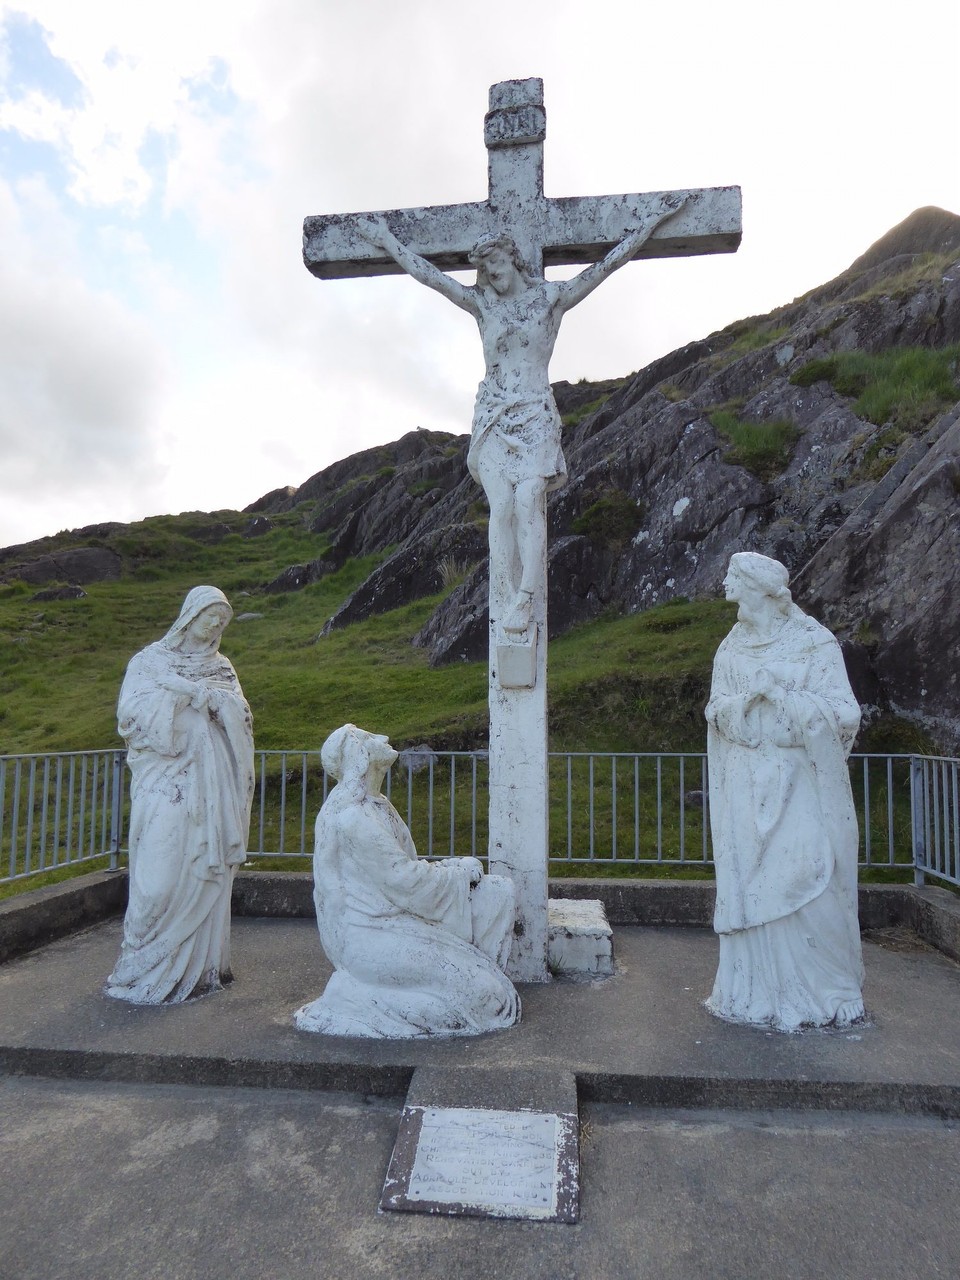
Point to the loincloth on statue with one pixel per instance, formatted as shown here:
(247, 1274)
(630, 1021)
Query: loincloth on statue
(516, 439)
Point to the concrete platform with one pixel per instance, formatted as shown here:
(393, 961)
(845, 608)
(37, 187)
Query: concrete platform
(131, 1151)
(641, 1036)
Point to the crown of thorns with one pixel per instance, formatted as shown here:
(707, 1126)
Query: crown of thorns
(506, 244)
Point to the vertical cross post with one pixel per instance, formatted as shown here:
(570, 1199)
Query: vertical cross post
(519, 768)
(546, 231)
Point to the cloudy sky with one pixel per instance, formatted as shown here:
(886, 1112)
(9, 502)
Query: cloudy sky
(163, 347)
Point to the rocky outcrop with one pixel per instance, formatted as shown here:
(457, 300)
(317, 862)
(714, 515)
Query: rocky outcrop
(423, 566)
(297, 576)
(864, 516)
(77, 566)
(888, 583)
(658, 499)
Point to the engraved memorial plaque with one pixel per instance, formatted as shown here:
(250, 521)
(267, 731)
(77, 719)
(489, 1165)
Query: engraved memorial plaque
(483, 1162)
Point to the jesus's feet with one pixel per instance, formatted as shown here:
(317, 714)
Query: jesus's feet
(518, 619)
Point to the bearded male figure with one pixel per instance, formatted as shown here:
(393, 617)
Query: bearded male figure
(515, 451)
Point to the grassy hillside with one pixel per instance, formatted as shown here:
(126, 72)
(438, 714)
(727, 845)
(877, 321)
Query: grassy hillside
(634, 683)
(620, 683)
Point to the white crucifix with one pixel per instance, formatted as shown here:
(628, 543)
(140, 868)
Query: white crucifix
(515, 449)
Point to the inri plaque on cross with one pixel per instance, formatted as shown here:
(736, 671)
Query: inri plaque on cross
(515, 450)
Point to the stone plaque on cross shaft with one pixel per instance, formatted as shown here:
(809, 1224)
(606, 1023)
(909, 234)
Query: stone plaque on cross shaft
(515, 449)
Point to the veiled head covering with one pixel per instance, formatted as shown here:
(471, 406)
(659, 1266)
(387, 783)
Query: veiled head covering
(196, 601)
(333, 751)
(769, 576)
(347, 753)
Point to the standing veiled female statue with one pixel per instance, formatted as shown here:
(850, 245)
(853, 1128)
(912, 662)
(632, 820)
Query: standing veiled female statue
(782, 719)
(189, 738)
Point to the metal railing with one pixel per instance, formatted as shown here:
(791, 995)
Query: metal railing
(935, 810)
(57, 810)
(608, 810)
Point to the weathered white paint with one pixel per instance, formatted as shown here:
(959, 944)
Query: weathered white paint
(782, 719)
(487, 1162)
(579, 938)
(189, 740)
(515, 451)
(549, 231)
(417, 947)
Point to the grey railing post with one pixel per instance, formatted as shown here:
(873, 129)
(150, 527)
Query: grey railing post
(116, 810)
(918, 819)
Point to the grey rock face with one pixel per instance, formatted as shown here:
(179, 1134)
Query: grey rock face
(888, 583)
(74, 565)
(422, 566)
(655, 505)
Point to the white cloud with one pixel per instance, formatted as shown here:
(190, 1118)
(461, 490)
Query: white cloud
(159, 310)
(79, 373)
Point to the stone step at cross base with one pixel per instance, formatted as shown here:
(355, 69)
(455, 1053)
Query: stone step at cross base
(579, 939)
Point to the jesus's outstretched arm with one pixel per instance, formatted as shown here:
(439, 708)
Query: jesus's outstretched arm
(378, 233)
(575, 290)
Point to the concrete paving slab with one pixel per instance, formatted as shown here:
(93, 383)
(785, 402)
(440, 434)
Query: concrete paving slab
(642, 1035)
(124, 1182)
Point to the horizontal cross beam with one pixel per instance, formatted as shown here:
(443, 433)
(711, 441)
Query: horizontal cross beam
(576, 230)
(549, 232)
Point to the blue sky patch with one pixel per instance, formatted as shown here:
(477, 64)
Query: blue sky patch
(23, 157)
(31, 66)
(212, 89)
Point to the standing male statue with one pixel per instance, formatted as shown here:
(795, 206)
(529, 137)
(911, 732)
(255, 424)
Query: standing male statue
(515, 452)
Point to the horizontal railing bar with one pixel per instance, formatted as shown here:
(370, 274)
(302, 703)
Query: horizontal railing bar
(57, 808)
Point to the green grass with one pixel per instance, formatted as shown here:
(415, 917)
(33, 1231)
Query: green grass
(670, 391)
(619, 684)
(637, 683)
(63, 661)
(576, 416)
(925, 269)
(880, 455)
(905, 387)
(612, 520)
(744, 337)
(762, 447)
(56, 875)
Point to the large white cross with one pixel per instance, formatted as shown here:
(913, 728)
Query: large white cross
(548, 232)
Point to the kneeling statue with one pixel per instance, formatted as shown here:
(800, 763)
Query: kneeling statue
(417, 947)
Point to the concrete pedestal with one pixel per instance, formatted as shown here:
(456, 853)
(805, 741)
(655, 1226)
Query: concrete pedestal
(579, 939)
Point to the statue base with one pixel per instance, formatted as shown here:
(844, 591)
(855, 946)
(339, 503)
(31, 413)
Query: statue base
(517, 661)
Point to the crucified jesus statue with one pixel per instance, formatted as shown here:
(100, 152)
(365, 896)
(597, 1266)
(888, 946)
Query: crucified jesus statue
(515, 451)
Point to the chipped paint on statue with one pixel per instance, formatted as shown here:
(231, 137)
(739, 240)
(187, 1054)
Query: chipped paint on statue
(782, 719)
(515, 451)
(417, 947)
(189, 736)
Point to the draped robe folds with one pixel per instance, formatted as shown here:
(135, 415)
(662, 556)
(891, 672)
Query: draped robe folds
(416, 951)
(191, 792)
(784, 831)
(516, 438)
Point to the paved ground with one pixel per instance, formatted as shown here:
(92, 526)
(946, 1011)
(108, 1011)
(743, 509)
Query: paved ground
(111, 1172)
(134, 1182)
